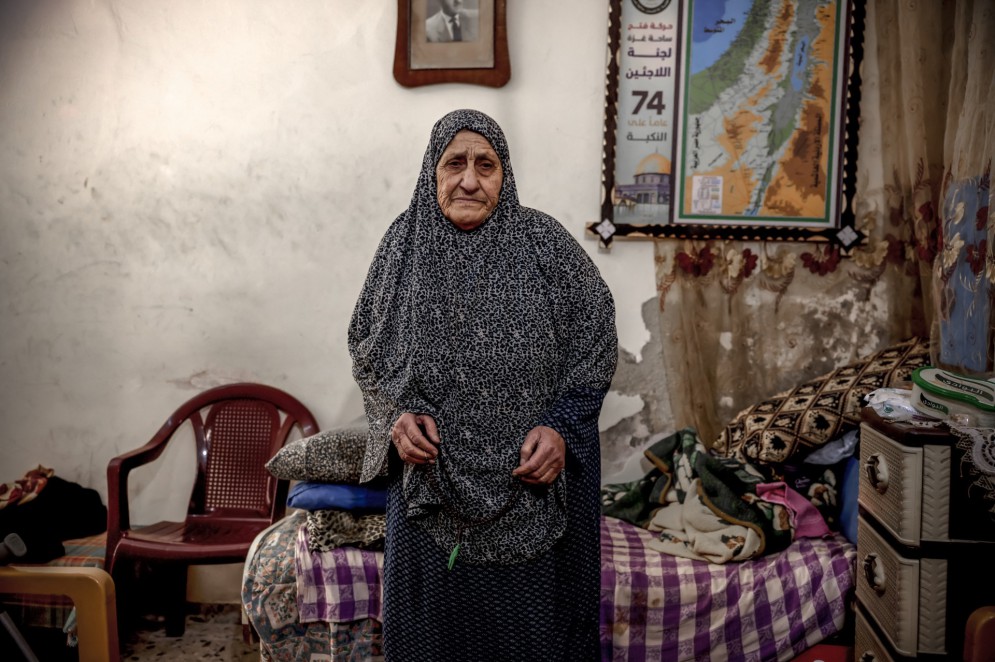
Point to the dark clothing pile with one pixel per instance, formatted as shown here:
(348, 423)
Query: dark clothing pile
(61, 510)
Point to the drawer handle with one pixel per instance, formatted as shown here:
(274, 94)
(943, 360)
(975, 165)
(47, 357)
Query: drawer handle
(874, 573)
(876, 469)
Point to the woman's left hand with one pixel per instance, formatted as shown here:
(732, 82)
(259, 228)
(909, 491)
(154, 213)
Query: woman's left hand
(543, 456)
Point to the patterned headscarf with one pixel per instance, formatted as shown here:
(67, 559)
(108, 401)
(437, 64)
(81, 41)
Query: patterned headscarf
(484, 330)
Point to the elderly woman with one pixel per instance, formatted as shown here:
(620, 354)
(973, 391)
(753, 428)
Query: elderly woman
(484, 342)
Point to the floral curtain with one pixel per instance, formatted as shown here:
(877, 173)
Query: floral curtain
(741, 321)
(964, 272)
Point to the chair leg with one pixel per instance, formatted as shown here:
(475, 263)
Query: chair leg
(15, 635)
(124, 592)
(175, 576)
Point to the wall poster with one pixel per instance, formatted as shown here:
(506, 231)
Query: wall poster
(727, 119)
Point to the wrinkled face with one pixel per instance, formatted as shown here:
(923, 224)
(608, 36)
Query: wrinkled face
(468, 178)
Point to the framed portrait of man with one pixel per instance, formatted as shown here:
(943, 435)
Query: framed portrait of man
(458, 41)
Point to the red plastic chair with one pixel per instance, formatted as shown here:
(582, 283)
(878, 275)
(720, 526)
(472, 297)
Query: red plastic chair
(237, 429)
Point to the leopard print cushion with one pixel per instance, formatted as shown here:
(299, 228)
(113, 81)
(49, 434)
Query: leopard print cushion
(328, 529)
(797, 421)
(333, 456)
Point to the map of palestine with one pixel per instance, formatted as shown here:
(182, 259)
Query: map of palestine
(760, 92)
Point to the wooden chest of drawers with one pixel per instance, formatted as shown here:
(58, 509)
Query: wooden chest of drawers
(925, 542)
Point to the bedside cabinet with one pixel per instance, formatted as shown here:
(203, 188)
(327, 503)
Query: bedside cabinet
(925, 541)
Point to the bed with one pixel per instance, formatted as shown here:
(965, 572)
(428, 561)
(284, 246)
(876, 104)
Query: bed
(654, 606)
(272, 611)
(770, 603)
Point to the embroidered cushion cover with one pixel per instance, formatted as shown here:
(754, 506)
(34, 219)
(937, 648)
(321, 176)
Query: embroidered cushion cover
(799, 420)
(332, 456)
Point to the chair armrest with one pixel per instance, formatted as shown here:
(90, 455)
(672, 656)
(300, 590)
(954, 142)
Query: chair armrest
(90, 589)
(150, 451)
(118, 512)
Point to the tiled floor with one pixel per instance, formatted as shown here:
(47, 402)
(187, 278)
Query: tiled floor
(212, 633)
(215, 633)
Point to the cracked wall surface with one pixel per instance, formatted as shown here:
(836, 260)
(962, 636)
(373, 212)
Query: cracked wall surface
(643, 378)
(192, 194)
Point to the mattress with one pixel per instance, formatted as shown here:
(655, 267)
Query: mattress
(270, 602)
(657, 607)
(653, 606)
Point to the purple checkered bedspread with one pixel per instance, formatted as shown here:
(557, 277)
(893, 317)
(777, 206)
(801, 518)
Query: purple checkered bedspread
(338, 586)
(653, 606)
(660, 607)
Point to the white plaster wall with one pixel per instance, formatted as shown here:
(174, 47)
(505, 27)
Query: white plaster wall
(190, 194)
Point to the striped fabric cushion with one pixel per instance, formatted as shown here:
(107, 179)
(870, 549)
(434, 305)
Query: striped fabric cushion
(52, 610)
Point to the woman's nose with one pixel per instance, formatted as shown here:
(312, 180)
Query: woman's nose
(469, 181)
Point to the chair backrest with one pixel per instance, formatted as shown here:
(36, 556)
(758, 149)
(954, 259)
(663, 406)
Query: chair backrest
(238, 428)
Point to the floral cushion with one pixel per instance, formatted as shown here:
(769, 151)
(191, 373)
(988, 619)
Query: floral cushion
(796, 422)
(333, 456)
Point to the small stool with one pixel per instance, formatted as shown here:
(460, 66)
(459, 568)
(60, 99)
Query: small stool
(979, 636)
(90, 589)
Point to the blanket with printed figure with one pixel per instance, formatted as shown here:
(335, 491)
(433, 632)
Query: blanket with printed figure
(717, 509)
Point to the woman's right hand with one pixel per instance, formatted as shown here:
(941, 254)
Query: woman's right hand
(416, 436)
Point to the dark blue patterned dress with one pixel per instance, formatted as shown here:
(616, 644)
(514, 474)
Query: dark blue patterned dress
(492, 332)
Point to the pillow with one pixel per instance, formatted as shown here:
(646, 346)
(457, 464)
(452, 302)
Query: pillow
(329, 529)
(333, 456)
(796, 422)
(325, 496)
